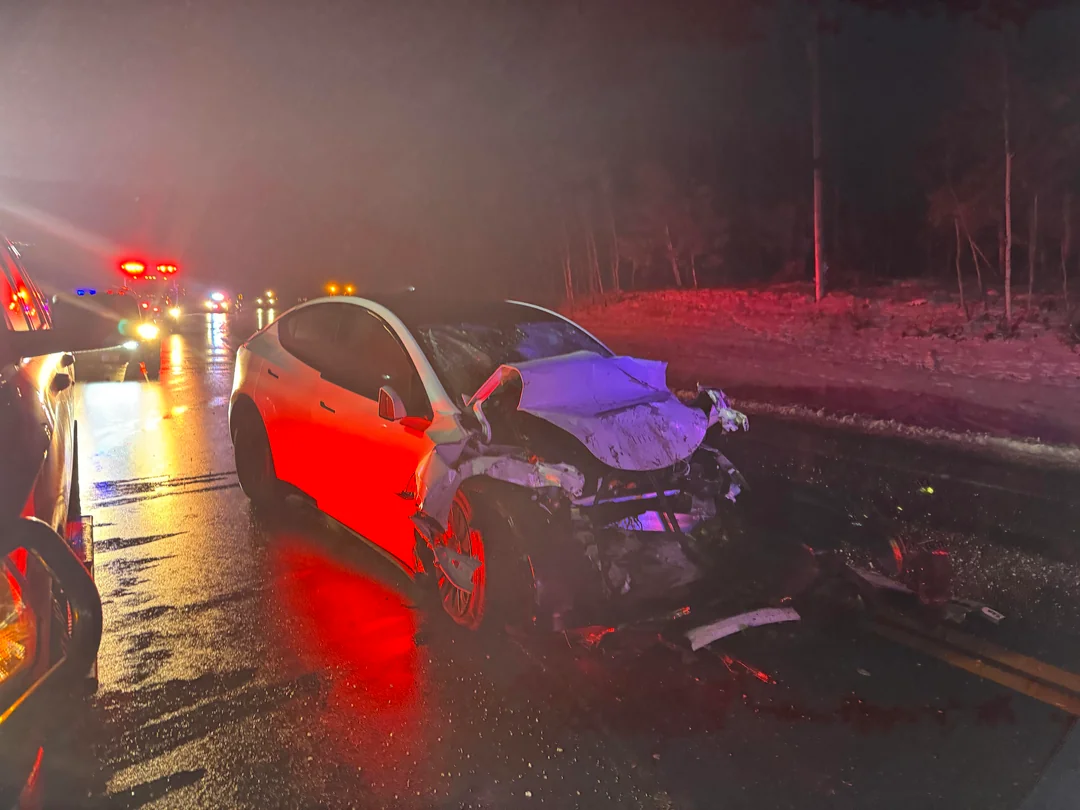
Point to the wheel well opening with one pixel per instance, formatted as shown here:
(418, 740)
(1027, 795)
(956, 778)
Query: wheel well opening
(243, 409)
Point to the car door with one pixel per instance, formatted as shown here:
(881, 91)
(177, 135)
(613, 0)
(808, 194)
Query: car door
(288, 378)
(45, 386)
(370, 462)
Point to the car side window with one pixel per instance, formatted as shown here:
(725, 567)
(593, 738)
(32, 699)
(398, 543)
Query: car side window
(310, 334)
(369, 355)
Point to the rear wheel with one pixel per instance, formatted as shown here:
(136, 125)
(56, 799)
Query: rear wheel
(254, 461)
(74, 496)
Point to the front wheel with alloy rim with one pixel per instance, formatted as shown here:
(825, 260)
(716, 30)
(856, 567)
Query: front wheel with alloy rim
(480, 533)
(254, 461)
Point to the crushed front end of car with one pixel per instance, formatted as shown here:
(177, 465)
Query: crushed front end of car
(620, 497)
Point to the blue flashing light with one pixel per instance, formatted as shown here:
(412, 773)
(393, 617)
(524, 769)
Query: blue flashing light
(80, 292)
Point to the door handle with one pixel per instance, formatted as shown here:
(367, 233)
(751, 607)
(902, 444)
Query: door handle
(273, 373)
(324, 406)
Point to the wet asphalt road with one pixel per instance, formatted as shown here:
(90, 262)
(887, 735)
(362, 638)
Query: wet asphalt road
(260, 665)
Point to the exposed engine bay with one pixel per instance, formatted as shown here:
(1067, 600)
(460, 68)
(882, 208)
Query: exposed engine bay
(626, 489)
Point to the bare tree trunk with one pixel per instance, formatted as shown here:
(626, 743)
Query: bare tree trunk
(1001, 248)
(815, 70)
(1066, 244)
(959, 278)
(633, 274)
(594, 259)
(1033, 248)
(673, 256)
(693, 269)
(1007, 247)
(568, 272)
(614, 245)
(976, 253)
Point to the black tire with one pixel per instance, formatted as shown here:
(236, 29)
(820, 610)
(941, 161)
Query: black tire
(254, 461)
(74, 497)
(503, 589)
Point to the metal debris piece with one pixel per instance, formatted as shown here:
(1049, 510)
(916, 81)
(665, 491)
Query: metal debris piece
(880, 580)
(958, 610)
(706, 634)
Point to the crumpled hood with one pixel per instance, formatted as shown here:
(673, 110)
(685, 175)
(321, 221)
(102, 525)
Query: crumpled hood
(620, 408)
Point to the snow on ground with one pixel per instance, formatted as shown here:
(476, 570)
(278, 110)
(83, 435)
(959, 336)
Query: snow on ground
(903, 354)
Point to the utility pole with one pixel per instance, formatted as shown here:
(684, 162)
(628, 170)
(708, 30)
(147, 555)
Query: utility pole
(1008, 188)
(815, 71)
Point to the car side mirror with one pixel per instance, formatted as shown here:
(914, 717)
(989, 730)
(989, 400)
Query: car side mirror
(391, 406)
(42, 562)
(40, 342)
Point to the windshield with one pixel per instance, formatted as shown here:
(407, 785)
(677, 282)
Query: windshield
(465, 352)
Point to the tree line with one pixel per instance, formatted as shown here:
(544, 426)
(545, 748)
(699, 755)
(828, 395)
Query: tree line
(992, 184)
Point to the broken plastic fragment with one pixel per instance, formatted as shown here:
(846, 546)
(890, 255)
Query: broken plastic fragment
(721, 411)
(706, 634)
(588, 636)
(456, 567)
(761, 675)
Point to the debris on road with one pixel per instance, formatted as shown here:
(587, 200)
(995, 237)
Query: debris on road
(958, 609)
(880, 580)
(732, 663)
(706, 634)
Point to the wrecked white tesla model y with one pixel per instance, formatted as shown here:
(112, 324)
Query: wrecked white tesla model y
(497, 449)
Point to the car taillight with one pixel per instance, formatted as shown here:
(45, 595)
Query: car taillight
(18, 631)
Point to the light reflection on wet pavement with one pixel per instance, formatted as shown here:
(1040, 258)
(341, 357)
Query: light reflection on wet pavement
(247, 664)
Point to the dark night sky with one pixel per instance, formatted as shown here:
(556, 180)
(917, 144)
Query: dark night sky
(405, 141)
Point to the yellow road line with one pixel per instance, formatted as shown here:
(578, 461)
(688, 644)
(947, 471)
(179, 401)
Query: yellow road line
(1023, 684)
(984, 649)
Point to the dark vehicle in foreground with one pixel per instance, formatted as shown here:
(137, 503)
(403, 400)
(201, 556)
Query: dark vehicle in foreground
(497, 449)
(43, 536)
(41, 664)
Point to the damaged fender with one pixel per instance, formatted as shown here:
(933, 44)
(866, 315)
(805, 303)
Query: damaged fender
(441, 475)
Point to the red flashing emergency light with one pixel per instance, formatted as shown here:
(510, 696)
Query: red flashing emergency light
(133, 268)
